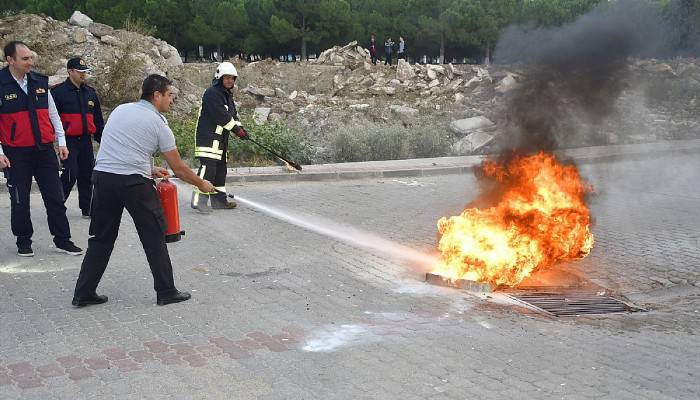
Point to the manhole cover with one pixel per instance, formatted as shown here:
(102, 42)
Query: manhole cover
(571, 304)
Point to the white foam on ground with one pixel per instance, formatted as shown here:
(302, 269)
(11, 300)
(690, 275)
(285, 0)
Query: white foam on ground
(15, 268)
(332, 338)
(422, 288)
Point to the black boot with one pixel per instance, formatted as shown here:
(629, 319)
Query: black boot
(200, 202)
(220, 202)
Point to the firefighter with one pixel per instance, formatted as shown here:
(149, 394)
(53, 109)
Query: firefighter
(123, 180)
(217, 119)
(29, 124)
(81, 115)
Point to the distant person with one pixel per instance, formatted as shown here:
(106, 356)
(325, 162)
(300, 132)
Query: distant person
(373, 49)
(401, 55)
(81, 115)
(29, 126)
(123, 178)
(388, 50)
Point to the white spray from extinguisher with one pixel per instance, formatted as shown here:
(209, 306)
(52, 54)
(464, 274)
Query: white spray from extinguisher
(349, 235)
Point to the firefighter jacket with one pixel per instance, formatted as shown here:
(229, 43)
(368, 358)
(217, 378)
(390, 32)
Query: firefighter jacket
(79, 109)
(217, 118)
(24, 117)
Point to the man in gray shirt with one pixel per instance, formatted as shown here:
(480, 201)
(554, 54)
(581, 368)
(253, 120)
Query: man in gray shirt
(122, 178)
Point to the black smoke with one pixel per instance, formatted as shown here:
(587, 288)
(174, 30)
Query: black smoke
(574, 73)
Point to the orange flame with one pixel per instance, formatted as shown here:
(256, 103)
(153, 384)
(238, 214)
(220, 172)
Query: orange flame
(540, 218)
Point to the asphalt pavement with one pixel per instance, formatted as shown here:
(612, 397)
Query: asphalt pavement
(329, 310)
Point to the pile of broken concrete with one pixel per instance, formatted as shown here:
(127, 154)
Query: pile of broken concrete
(56, 41)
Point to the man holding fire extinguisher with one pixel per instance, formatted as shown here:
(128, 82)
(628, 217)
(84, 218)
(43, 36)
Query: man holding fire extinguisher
(122, 178)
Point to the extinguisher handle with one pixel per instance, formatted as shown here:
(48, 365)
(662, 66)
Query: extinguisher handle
(227, 194)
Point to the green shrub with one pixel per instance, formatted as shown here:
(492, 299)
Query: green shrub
(430, 141)
(122, 79)
(369, 141)
(277, 137)
(184, 129)
(282, 140)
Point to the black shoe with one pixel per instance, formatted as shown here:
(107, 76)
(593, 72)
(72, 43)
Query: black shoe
(69, 248)
(226, 205)
(86, 301)
(25, 251)
(175, 298)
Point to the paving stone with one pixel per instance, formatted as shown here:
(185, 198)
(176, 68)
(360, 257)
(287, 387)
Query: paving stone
(77, 373)
(96, 363)
(50, 370)
(358, 323)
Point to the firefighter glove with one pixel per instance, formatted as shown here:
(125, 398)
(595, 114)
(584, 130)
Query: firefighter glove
(240, 132)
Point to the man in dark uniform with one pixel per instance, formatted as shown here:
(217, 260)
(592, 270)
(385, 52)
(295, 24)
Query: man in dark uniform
(29, 124)
(217, 119)
(81, 115)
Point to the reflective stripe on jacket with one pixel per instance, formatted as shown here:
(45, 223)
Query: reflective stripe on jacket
(217, 117)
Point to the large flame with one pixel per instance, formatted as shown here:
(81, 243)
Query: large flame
(539, 218)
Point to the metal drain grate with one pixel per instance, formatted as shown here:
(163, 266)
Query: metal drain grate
(571, 304)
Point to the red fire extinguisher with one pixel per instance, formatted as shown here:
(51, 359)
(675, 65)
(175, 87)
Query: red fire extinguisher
(167, 191)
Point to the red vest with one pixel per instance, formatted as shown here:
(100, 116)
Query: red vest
(19, 124)
(76, 107)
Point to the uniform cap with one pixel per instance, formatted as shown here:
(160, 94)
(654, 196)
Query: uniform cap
(78, 64)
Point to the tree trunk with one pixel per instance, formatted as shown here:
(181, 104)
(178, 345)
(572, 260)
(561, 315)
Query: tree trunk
(442, 48)
(219, 56)
(487, 60)
(303, 38)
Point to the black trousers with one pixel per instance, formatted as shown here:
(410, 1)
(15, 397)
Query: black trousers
(42, 165)
(388, 59)
(215, 172)
(78, 168)
(113, 193)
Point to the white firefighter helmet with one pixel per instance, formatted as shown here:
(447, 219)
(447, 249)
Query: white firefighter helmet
(225, 68)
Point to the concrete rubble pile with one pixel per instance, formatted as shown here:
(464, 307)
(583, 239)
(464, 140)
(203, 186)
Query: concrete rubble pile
(101, 46)
(350, 55)
(660, 99)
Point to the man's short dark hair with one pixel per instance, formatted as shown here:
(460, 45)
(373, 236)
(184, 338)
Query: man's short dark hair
(11, 48)
(154, 83)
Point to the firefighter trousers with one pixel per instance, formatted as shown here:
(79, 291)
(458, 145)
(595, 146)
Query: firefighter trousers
(215, 172)
(42, 165)
(113, 193)
(78, 168)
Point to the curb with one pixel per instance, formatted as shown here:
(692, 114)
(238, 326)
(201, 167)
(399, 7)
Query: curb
(388, 169)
